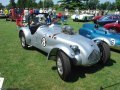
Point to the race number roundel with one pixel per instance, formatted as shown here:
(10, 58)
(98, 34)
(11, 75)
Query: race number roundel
(43, 42)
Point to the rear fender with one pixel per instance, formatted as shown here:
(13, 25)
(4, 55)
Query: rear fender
(66, 49)
(27, 34)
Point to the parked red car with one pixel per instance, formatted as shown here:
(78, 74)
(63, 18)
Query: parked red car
(96, 18)
(114, 26)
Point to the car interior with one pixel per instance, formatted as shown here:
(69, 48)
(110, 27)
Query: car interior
(34, 22)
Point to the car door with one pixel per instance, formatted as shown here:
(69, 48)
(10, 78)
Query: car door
(39, 38)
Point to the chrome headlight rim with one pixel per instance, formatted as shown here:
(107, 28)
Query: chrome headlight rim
(74, 47)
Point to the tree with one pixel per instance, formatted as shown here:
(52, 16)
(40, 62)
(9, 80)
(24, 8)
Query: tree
(93, 4)
(20, 3)
(71, 4)
(118, 4)
(1, 6)
(12, 3)
(113, 6)
(31, 4)
(40, 4)
(105, 6)
(48, 3)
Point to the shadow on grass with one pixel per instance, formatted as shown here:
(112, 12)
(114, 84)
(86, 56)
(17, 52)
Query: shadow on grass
(2, 18)
(12, 89)
(115, 50)
(79, 72)
(38, 50)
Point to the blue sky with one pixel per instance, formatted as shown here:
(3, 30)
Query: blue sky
(5, 2)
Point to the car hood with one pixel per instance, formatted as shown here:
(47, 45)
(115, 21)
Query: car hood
(80, 41)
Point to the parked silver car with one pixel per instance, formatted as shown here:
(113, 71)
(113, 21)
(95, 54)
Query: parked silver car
(63, 45)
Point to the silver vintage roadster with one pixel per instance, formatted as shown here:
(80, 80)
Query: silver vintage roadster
(62, 44)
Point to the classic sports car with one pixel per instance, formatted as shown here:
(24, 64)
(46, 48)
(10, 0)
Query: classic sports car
(82, 17)
(95, 32)
(114, 26)
(108, 19)
(62, 45)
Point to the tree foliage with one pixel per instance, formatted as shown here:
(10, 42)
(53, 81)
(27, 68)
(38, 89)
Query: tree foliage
(48, 3)
(71, 4)
(107, 6)
(12, 4)
(89, 4)
(118, 4)
(1, 6)
(92, 4)
(31, 3)
(21, 3)
(40, 4)
(81, 4)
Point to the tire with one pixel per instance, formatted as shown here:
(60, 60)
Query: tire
(63, 65)
(73, 20)
(23, 40)
(76, 19)
(105, 52)
(85, 19)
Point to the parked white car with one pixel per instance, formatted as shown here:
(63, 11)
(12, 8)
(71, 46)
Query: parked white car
(2, 15)
(82, 17)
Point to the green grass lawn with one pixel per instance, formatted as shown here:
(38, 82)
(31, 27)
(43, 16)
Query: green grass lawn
(30, 70)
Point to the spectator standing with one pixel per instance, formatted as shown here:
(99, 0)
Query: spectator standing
(77, 11)
(26, 12)
(6, 12)
(54, 13)
(31, 11)
(41, 10)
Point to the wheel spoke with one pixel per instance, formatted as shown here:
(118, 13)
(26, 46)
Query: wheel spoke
(59, 66)
(23, 41)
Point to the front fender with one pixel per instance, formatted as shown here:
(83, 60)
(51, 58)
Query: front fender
(27, 34)
(103, 39)
(66, 49)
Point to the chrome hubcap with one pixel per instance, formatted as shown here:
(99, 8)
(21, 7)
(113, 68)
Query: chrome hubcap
(23, 41)
(59, 66)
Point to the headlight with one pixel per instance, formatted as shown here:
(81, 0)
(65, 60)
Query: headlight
(75, 48)
(112, 41)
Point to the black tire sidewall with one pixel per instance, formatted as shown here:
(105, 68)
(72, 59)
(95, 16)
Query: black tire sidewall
(65, 65)
(105, 52)
(22, 35)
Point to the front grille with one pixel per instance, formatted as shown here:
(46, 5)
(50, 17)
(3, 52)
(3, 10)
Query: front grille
(94, 56)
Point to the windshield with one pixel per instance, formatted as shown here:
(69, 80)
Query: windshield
(113, 17)
(37, 19)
